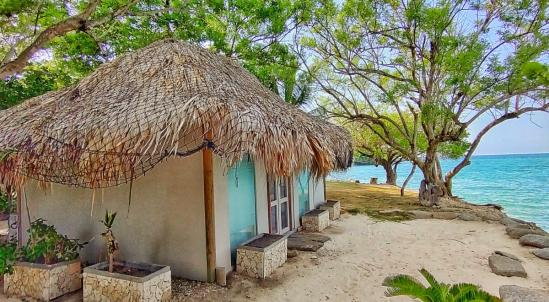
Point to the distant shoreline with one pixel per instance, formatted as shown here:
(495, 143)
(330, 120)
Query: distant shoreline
(504, 154)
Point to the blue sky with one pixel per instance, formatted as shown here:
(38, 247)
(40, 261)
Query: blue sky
(527, 134)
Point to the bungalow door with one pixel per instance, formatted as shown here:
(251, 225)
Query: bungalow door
(242, 209)
(279, 205)
(303, 192)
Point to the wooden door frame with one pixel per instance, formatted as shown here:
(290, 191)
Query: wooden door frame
(290, 203)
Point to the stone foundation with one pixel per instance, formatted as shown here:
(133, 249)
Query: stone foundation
(100, 285)
(333, 207)
(315, 220)
(43, 282)
(260, 262)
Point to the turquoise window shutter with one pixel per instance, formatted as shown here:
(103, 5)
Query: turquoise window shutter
(242, 208)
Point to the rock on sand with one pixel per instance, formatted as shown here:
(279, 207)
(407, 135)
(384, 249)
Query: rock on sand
(534, 240)
(513, 293)
(506, 266)
(542, 253)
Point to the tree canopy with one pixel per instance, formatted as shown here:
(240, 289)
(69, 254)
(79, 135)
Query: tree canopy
(54, 43)
(447, 63)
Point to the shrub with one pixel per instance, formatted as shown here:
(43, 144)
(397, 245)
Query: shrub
(46, 245)
(9, 254)
(403, 285)
(7, 206)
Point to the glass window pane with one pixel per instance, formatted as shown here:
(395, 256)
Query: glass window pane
(274, 220)
(242, 211)
(283, 188)
(303, 189)
(272, 189)
(284, 214)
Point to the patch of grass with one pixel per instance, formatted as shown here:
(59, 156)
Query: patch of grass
(393, 216)
(381, 202)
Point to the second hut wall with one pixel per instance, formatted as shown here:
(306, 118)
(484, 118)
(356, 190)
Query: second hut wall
(165, 223)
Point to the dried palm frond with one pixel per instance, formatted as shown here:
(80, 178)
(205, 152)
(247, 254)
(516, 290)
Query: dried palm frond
(160, 101)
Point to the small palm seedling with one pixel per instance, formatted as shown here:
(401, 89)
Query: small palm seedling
(112, 244)
(404, 285)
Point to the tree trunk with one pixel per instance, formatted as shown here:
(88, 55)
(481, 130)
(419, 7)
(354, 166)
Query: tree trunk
(390, 173)
(448, 186)
(432, 186)
(111, 263)
(429, 194)
(407, 180)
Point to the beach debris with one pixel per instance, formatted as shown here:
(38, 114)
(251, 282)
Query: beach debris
(493, 205)
(513, 293)
(518, 231)
(506, 266)
(468, 217)
(534, 240)
(508, 255)
(188, 290)
(542, 253)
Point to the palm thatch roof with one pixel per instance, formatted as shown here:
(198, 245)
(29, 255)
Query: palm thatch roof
(168, 99)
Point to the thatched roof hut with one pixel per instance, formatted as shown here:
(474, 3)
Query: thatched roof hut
(168, 99)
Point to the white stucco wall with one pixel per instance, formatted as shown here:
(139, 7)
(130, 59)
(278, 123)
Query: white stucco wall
(222, 227)
(165, 224)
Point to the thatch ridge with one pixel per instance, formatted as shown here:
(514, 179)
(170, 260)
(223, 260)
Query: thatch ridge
(160, 101)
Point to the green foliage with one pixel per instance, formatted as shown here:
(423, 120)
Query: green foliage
(9, 254)
(108, 221)
(450, 64)
(46, 245)
(36, 80)
(7, 204)
(404, 285)
(110, 240)
(250, 31)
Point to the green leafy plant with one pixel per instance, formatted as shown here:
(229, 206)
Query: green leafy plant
(9, 254)
(404, 285)
(47, 245)
(7, 205)
(110, 240)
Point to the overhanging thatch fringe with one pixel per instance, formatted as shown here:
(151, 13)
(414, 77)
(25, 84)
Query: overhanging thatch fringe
(143, 107)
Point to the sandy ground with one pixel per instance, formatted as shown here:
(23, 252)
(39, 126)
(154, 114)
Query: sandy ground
(362, 252)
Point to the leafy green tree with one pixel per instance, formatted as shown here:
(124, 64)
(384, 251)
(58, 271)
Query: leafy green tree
(403, 285)
(77, 36)
(448, 63)
(370, 145)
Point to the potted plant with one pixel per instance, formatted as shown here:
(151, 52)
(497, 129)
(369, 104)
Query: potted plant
(47, 267)
(114, 280)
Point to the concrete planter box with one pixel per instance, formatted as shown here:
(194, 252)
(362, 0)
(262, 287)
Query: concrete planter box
(260, 256)
(333, 207)
(100, 285)
(43, 282)
(315, 220)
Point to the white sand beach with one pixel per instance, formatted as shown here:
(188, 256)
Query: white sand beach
(362, 252)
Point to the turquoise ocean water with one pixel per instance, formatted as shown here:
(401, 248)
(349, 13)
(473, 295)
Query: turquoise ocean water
(518, 182)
